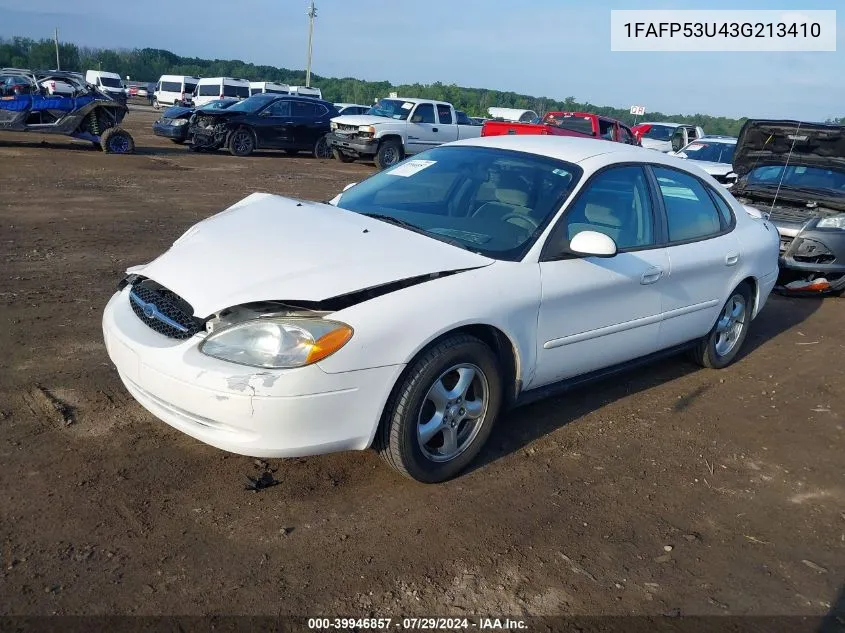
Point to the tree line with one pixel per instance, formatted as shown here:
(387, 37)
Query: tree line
(148, 64)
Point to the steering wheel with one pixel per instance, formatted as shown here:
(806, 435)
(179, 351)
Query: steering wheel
(525, 221)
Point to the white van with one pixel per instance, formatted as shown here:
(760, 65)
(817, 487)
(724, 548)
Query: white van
(174, 89)
(213, 88)
(304, 91)
(259, 87)
(109, 83)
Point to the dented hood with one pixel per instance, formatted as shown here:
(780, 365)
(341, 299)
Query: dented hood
(271, 248)
(770, 142)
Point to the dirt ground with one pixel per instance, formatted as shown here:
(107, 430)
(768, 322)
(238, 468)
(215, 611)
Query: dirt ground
(675, 488)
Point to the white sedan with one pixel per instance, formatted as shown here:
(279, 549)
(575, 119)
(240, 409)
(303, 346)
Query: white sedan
(411, 310)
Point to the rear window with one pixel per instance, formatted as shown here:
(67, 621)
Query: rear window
(576, 124)
(171, 86)
(276, 92)
(659, 132)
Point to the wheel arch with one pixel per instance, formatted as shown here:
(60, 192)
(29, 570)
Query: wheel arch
(242, 126)
(754, 286)
(391, 136)
(502, 345)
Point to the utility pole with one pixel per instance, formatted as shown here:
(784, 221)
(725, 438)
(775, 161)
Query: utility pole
(56, 39)
(312, 13)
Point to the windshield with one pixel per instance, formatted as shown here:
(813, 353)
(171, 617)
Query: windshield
(491, 201)
(712, 152)
(220, 104)
(392, 109)
(253, 103)
(659, 132)
(110, 82)
(798, 177)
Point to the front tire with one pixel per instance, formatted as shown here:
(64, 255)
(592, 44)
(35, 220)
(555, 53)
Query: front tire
(442, 410)
(322, 149)
(241, 142)
(722, 344)
(389, 153)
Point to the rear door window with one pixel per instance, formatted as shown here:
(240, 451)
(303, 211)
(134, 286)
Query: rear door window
(690, 211)
(304, 110)
(209, 90)
(444, 113)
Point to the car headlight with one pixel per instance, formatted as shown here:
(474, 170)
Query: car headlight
(367, 129)
(833, 222)
(277, 342)
(180, 121)
(333, 125)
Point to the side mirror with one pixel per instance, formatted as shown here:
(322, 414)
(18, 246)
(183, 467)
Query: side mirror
(593, 243)
(417, 118)
(350, 185)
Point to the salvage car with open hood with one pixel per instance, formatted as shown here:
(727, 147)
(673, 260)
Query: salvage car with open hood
(408, 311)
(795, 171)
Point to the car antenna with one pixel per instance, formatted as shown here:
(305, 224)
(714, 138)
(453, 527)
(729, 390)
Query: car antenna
(783, 172)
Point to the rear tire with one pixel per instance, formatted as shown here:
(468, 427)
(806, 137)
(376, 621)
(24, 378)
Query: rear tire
(389, 153)
(722, 344)
(442, 410)
(156, 104)
(116, 140)
(343, 158)
(241, 142)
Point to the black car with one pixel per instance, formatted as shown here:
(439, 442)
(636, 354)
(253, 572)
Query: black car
(795, 171)
(266, 121)
(175, 120)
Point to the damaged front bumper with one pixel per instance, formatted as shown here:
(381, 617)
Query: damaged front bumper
(245, 410)
(208, 132)
(353, 145)
(812, 259)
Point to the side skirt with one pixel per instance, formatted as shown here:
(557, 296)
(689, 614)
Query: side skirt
(556, 388)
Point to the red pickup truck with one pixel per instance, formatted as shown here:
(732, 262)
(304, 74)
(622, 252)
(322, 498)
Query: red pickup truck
(566, 124)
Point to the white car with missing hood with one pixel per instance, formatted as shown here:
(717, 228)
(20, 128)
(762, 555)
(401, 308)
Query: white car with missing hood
(410, 311)
(714, 154)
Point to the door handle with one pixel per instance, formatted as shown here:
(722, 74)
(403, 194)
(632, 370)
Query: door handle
(652, 275)
(434, 129)
(731, 259)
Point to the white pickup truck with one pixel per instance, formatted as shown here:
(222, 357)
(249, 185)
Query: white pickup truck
(395, 128)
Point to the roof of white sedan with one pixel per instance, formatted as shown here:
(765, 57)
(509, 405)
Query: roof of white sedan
(570, 148)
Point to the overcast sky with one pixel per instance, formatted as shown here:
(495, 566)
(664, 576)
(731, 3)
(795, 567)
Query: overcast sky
(553, 48)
